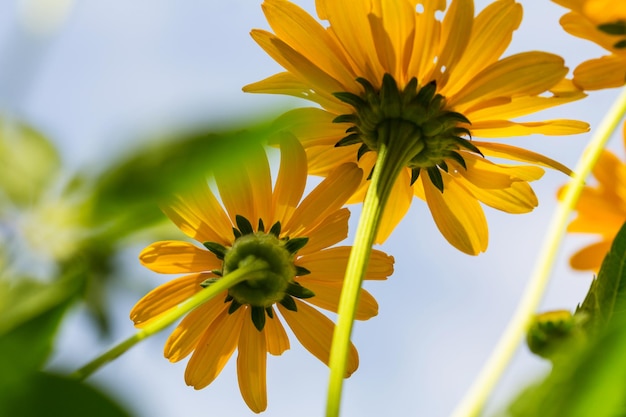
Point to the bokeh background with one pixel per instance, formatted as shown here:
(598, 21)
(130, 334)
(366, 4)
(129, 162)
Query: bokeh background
(101, 78)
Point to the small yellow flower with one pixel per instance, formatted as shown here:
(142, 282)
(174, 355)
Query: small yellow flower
(601, 210)
(604, 23)
(294, 237)
(381, 69)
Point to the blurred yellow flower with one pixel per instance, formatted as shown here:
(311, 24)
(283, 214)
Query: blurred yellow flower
(294, 237)
(604, 23)
(601, 210)
(397, 69)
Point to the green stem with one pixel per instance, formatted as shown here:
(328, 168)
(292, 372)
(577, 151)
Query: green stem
(390, 162)
(474, 400)
(169, 317)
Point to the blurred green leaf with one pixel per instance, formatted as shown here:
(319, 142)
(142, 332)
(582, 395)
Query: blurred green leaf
(52, 395)
(553, 332)
(28, 162)
(126, 196)
(589, 382)
(606, 299)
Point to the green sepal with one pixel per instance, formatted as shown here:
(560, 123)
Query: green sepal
(435, 177)
(270, 312)
(616, 28)
(236, 233)
(244, 225)
(351, 99)
(620, 45)
(390, 96)
(550, 331)
(301, 271)
(362, 151)
(217, 272)
(208, 282)
(218, 250)
(352, 139)
(261, 227)
(275, 229)
(457, 158)
(228, 298)
(234, 305)
(295, 244)
(467, 145)
(299, 291)
(258, 317)
(427, 92)
(346, 118)
(289, 303)
(415, 173)
(369, 176)
(443, 165)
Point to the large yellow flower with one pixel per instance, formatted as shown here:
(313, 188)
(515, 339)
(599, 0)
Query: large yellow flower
(292, 236)
(383, 68)
(604, 23)
(601, 210)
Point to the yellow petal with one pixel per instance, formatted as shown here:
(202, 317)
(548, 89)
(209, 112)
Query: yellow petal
(175, 257)
(199, 215)
(327, 297)
(491, 34)
(329, 196)
(426, 41)
(590, 257)
(304, 34)
(245, 186)
(330, 264)
(456, 31)
(165, 297)
(605, 72)
(291, 179)
(214, 348)
(324, 159)
(313, 126)
(483, 173)
(251, 366)
(584, 28)
(331, 231)
(526, 73)
(314, 331)
(516, 199)
(506, 128)
(458, 215)
(275, 335)
(397, 206)
(499, 150)
(185, 336)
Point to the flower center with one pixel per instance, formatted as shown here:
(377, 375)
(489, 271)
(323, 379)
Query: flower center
(273, 284)
(435, 133)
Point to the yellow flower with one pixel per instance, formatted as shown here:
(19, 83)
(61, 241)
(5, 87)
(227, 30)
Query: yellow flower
(601, 210)
(382, 69)
(604, 23)
(294, 237)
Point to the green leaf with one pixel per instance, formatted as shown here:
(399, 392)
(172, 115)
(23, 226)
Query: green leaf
(45, 394)
(28, 162)
(606, 299)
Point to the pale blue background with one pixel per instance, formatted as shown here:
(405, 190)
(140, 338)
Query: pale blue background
(118, 71)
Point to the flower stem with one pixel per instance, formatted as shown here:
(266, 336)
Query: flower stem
(390, 162)
(474, 400)
(170, 316)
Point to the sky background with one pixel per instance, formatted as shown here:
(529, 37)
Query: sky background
(113, 73)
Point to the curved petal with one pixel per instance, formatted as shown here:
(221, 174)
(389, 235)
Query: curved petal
(214, 348)
(458, 215)
(330, 264)
(314, 331)
(604, 72)
(499, 150)
(176, 257)
(332, 230)
(455, 35)
(313, 126)
(590, 257)
(251, 366)
(426, 41)
(185, 336)
(324, 159)
(327, 297)
(325, 199)
(199, 215)
(165, 297)
(291, 179)
(526, 73)
(397, 206)
(518, 198)
(246, 186)
(507, 128)
(491, 35)
(275, 336)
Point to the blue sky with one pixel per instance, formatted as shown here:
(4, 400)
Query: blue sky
(115, 72)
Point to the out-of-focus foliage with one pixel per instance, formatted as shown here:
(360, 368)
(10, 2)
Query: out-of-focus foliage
(588, 377)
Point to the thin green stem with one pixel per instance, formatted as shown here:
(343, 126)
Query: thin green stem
(169, 317)
(474, 400)
(390, 162)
